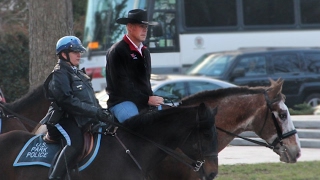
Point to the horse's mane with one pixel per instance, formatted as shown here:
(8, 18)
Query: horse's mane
(221, 93)
(225, 92)
(32, 96)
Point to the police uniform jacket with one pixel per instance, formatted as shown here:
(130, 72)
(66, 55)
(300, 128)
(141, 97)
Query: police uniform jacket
(128, 74)
(73, 93)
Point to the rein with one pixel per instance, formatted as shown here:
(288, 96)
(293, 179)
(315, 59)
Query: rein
(15, 115)
(193, 164)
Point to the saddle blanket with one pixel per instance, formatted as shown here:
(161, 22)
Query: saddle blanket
(37, 152)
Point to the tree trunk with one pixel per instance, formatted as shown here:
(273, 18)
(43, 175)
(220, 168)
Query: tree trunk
(49, 20)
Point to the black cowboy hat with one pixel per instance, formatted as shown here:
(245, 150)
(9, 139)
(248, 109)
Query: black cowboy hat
(138, 16)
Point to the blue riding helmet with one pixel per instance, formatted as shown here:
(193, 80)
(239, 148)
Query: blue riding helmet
(71, 43)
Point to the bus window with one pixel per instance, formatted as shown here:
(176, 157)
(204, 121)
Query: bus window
(270, 12)
(210, 13)
(164, 14)
(310, 12)
(100, 25)
(167, 23)
(164, 4)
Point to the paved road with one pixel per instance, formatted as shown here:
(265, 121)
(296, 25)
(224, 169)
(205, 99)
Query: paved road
(257, 154)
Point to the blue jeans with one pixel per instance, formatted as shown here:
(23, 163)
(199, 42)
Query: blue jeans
(124, 110)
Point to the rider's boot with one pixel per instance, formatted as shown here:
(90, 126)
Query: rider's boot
(66, 156)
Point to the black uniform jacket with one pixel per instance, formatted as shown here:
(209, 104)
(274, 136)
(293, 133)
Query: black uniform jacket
(128, 74)
(73, 92)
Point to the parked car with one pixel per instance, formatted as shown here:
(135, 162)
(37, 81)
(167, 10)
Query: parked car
(298, 67)
(2, 99)
(175, 87)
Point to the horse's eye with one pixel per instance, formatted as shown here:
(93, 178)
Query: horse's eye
(283, 116)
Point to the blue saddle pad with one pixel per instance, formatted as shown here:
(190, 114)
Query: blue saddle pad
(37, 152)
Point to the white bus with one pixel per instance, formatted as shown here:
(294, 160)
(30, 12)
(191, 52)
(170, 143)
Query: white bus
(191, 28)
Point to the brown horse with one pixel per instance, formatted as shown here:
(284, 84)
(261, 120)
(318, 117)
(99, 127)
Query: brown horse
(139, 144)
(26, 112)
(259, 109)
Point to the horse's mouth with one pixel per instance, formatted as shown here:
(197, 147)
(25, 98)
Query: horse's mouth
(286, 155)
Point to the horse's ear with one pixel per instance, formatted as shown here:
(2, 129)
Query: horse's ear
(204, 111)
(275, 88)
(202, 107)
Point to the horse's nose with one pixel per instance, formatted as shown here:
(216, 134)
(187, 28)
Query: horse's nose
(298, 154)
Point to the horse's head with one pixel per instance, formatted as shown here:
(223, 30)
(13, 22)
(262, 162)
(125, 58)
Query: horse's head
(204, 143)
(190, 130)
(278, 129)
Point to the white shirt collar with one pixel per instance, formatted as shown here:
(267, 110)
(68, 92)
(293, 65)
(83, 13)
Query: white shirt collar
(137, 47)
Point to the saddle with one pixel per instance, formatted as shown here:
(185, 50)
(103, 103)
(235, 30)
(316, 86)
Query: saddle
(88, 137)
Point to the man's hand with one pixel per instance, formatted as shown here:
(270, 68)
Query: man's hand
(155, 100)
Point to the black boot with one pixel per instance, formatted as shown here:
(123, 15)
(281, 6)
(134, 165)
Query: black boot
(66, 156)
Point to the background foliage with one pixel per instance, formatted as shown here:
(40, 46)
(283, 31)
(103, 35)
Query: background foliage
(14, 46)
(14, 64)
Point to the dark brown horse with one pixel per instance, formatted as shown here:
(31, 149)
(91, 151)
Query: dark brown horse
(26, 112)
(260, 109)
(147, 136)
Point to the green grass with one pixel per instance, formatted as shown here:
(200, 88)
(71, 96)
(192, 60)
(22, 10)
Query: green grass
(308, 170)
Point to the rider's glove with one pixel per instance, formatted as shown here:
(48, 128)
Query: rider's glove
(102, 115)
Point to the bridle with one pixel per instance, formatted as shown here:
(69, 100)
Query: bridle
(280, 135)
(198, 164)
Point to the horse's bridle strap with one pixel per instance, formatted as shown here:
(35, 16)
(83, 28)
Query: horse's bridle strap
(125, 148)
(279, 131)
(247, 139)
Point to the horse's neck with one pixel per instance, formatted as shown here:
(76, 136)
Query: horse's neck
(236, 115)
(34, 111)
(146, 152)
